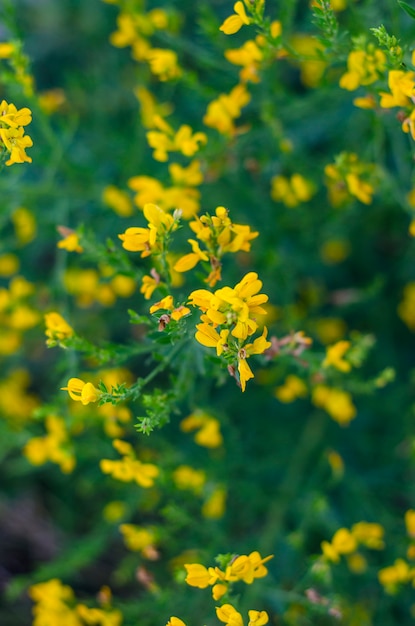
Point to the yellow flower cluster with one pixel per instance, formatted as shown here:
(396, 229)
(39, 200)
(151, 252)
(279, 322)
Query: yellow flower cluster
(364, 67)
(57, 328)
(208, 433)
(80, 391)
(222, 111)
(17, 403)
(406, 307)
(181, 194)
(234, 22)
(336, 402)
(103, 286)
(135, 29)
(12, 135)
(17, 314)
(402, 93)
(292, 389)
(346, 543)
(219, 236)
(291, 191)
(245, 568)
(349, 178)
(55, 603)
(335, 356)
(164, 140)
(52, 600)
(129, 468)
(140, 539)
(228, 319)
(54, 446)
(252, 53)
(151, 240)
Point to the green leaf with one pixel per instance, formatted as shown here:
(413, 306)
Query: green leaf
(407, 8)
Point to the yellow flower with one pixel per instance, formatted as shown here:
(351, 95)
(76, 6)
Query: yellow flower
(56, 327)
(16, 142)
(175, 621)
(9, 264)
(80, 391)
(364, 67)
(138, 539)
(291, 191)
(335, 354)
(247, 568)
(129, 468)
(24, 225)
(118, 200)
(410, 523)
(208, 429)
(214, 508)
(70, 243)
(258, 618)
(233, 23)
(336, 402)
(186, 477)
(149, 284)
(228, 614)
(394, 575)
(163, 64)
(369, 534)
(200, 576)
(222, 112)
(292, 389)
(12, 117)
(6, 50)
(402, 86)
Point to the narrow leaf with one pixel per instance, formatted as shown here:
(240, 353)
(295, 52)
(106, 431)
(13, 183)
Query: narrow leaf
(407, 8)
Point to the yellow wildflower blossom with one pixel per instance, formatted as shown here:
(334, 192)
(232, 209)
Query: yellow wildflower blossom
(129, 468)
(70, 243)
(233, 23)
(410, 523)
(200, 576)
(186, 477)
(164, 140)
(291, 191)
(247, 568)
(81, 391)
(394, 575)
(402, 90)
(175, 621)
(149, 240)
(334, 356)
(137, 538)
(336, 402)
(6, 50)
(369, 534)
(292, 389)
(214, 508)
(222, 112)
(163, 64)
(249, 56)
(24, 223)
(57, 328)
(364, 67)
(118, 200)
(228, 614)
(208, 432)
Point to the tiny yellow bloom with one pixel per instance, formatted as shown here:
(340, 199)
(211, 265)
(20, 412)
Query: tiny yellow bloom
(334, 356)
(80, 391)
(233, 23)
(56, 327)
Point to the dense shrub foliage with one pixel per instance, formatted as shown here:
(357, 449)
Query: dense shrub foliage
(207, 308)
